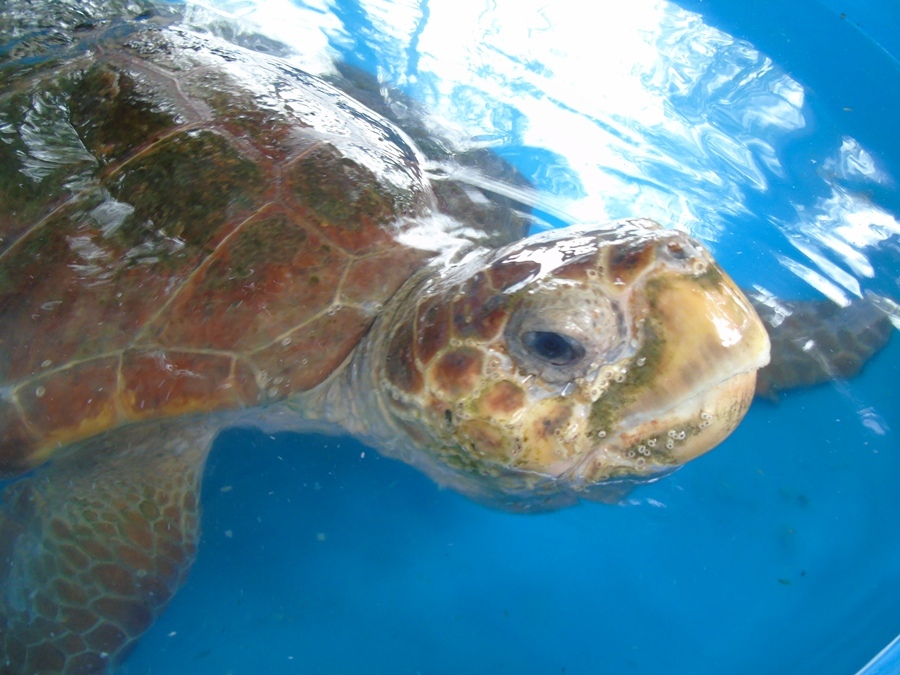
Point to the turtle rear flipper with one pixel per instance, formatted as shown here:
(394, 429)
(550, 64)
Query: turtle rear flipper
(94, 545)
(817, 341)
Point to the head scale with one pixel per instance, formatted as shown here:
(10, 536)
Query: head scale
(570, 362)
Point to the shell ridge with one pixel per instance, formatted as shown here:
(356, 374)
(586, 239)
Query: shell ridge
(200, 267)
(293, 329)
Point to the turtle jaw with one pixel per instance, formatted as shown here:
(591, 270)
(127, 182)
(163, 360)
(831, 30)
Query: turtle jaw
(652, 446)
(702, 347)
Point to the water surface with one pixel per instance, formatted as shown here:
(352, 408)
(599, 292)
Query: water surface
(769, 135)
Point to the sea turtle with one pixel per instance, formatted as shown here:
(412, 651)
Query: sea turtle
(193, 235)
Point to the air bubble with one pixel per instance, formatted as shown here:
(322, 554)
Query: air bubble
(670, 444)
(285, 342)
(705, 416)
(640, 461)
(672, 433)
(641, 361)
(620, 377)
(39, 392)
(681, 435)
(631, 454)
(703, 425)
(651, 442)
(601, 434)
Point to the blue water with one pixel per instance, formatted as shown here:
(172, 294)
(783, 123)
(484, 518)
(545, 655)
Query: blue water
(767, 129)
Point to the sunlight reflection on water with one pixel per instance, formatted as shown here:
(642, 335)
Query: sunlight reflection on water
(651, 113)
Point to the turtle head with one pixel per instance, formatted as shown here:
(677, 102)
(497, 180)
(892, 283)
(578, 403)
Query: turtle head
(573, 363)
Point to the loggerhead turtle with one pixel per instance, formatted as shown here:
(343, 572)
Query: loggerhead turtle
(193, 236)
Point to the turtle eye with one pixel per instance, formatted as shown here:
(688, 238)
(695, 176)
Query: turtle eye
(560, 350)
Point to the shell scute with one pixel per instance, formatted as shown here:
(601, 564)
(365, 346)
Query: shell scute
(113, 118)
(251, 118)
(69, 292)
(247, 294)
(378, 276)
(174, 51)
(174, 382)
(80, 397)
(194, 185)
(346, 201)
(298, 360)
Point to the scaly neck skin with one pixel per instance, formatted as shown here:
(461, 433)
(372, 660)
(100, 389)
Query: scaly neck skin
(353, 400)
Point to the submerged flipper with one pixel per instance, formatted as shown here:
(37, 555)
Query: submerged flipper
(94, 545)
(817, 341)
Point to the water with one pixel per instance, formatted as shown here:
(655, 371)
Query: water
(766, 132)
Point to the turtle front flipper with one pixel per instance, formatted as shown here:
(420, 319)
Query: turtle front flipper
(94, 545)
(816, 341)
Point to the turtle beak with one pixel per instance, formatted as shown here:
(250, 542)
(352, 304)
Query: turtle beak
(702, 346)
(713, 344)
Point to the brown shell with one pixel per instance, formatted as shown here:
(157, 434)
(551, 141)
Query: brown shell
(185, 227)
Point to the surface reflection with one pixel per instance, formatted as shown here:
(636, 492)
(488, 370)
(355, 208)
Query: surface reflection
(652, 113)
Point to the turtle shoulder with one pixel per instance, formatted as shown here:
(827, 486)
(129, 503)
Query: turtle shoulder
(185, 227)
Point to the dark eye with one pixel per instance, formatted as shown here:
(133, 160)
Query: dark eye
(560, 350)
